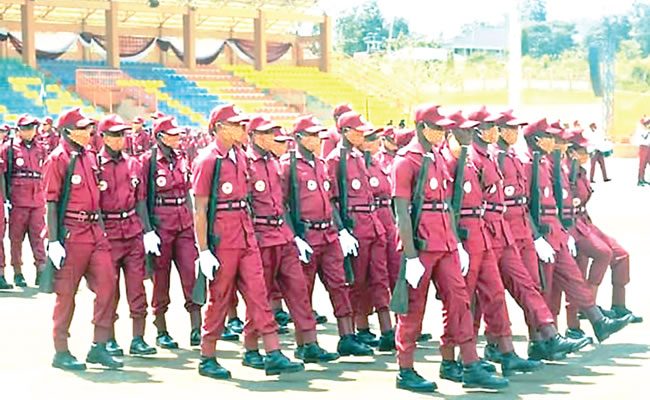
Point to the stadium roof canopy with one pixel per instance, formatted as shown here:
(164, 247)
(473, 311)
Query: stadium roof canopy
(214, 18)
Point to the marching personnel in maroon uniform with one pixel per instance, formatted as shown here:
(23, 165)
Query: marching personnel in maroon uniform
(591, 242)
(124, 211)
(166, 179)
(279, 246)
(229, 255)
(311, 190)
(78, 246)
(472, 187)
(362, 234)
(139, 139)
(4, 210)
(512, 237)
(559, 267)
(432, 252)
(47, 136)
(26, 196)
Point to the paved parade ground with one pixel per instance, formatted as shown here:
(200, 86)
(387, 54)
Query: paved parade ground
(616, 370)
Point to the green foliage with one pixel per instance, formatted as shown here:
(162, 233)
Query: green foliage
(547, 38)
(641, 26)
(534, 10)
(365, 22)
(610, 28)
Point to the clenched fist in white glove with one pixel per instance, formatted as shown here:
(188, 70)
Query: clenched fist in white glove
(151, 243)
(208, 264)
(349, 243)
(56, 253)
(304, 250)
(464, 260)
(544, 250)
(414, 271)
(571, 243)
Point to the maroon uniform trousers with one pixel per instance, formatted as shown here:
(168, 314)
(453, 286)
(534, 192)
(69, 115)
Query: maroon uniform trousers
(87, 248)
(282, 267)
(31, 222)
(442, 268)
(128, 256)
(327, 262)
(644, 159)
(2, 234)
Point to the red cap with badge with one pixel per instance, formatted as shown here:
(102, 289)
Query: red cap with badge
(460, 122)
(480, 115)
(403, 136)
(430, 114)
(26, 120)
(389, 133)
(540, 126)
(74, 119)
(309, 124)
(506, 118)
(167, 125)
(576, 138)
(260, 124)
(340, 110)
(112, 123)
(354, 121)
(226, 113)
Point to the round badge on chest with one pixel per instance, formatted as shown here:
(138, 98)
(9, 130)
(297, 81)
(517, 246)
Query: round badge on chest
(226, 188)
(75, 179)
(103, 185)
(509, 190)
(547, 192)
(260, 186)
(565, 194)
(312, 185)
(467, 187)
(433, 183)
(327, 186)
(161, 181)
(576, 201)
(20, 162)
(356, 184)
(374, 182)
(135, 181)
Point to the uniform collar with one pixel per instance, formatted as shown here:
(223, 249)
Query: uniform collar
(171, 157)
(105, 157)
(414, 146)
(484, 151)
(255, 154)
(70, 147)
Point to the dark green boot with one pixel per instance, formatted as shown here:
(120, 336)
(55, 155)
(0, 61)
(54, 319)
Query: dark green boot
(475, 376)
(253, 359)
(451, 370)
(512, 363)
(212, 369)
(276, 363)
(408, 379)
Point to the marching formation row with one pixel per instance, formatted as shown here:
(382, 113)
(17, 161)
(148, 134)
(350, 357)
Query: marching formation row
(376, 213)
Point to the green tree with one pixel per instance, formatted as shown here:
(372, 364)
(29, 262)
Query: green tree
(641, 26)
(365, 23)
(534, 11)
(547, 38)
(614, 28)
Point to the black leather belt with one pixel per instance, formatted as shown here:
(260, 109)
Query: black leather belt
(83, 216)
(516, 201)
(582, 210)
(170, 201)
(317, 225)
(494, 207)
(27, 174)
(363, 208)
(117, 215)
(436, 206)
(271, 220)
(472, 212)
(382, 202)
(549, 211)
(231, 205)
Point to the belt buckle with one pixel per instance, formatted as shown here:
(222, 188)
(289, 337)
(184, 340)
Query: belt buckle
(179, 201)
(482, 212)
(124, 214)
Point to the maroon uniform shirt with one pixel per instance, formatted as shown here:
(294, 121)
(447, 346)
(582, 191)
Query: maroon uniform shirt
(27, 180)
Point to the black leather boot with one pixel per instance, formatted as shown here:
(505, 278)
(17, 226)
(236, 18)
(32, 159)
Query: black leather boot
(99, 355)
(19, 280)
(113, 348)
(622, 311)
(408, 379)
(511, 363)
(605, 327)
(66, 361)
(228, 335)
(475, 376)
(140, 348)
(236, 325)
(165, 341)
(195, 337)
(387, 341)
(253, 359)
(4, 285)
(492, 353)
(451, 370)
(313, 353)
(366, 336)
(276, 363)
(349, 345)
(212, 369)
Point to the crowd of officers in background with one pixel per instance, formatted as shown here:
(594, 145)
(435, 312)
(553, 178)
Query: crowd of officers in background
(378, 214)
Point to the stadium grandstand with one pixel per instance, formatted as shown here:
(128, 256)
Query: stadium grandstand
(182, 58)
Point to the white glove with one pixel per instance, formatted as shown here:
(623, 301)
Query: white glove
(56, 253)
(304, 250)
(464, 260)
(7, 206)
(544, 250)
(414, 271)
(208, 264)
(349, 243)
(151, 243)
(571, 243)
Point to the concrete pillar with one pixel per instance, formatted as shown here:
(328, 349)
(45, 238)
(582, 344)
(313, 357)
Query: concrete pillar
(3, 49)
(325, 44)
(260, 41)
(189, 39)
(112, 37)
(85, 51)
(28, 32)
(295, 52)
(229, 53)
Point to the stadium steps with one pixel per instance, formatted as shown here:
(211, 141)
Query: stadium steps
(235, 90)
(326, 87)
(20, 92)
